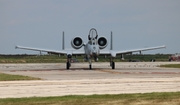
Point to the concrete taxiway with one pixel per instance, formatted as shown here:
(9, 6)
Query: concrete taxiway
(128, 77)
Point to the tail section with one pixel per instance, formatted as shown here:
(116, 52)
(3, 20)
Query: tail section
(63, 41)
(111, 46)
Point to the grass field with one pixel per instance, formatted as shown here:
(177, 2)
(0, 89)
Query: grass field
(171, 98)
(31, 59)
(62, 58)
(171, 66)
(8, 77)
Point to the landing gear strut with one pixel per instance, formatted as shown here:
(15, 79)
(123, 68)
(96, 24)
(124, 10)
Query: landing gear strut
(90, 67)
(90, 62)
(112, 63)
(68, 64)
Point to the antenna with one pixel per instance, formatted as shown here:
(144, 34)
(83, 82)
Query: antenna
(111, 46)
(63, 40)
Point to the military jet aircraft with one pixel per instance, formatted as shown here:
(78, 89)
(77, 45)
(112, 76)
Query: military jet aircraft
(92, 49)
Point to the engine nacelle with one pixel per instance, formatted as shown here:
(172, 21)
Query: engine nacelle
(102, 42)
(77, 42)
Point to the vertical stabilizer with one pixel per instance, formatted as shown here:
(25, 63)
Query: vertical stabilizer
(111, 46)
(63, 40)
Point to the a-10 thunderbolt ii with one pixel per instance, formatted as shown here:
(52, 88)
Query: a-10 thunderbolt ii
(92, 49)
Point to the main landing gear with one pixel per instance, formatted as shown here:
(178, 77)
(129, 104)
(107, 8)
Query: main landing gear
(68, 63)
(112, 63)
(90, 67)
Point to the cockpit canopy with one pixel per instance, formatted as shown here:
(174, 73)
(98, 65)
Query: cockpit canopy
(92, 34)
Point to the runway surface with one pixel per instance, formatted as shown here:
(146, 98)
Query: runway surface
(128, 77)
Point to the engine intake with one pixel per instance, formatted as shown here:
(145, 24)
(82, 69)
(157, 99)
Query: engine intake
(77, 42)
(102, 41)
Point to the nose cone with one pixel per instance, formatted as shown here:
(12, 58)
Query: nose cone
(94, 50)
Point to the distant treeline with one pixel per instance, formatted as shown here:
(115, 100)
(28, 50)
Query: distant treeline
(26, 58)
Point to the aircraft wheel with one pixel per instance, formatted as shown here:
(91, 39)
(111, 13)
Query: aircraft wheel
(113, 65)
(90, 67)
(67, 65)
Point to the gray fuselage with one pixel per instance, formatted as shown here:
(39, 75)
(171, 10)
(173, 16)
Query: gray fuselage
(92, 48)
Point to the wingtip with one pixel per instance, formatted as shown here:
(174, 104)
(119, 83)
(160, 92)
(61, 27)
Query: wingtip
(164, 46)
(16, 47)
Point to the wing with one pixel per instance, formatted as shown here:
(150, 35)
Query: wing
(114, 53)
(71, 52)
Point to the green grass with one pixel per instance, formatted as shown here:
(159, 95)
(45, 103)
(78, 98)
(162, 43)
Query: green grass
(8, 77)
(31, 59)
(170, 98)
(171, 65)
(57, 59)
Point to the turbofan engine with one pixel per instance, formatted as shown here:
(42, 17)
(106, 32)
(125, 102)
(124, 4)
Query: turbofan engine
(102, 41)
(77, 42)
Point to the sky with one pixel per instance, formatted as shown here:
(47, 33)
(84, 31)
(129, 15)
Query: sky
(134, 23)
